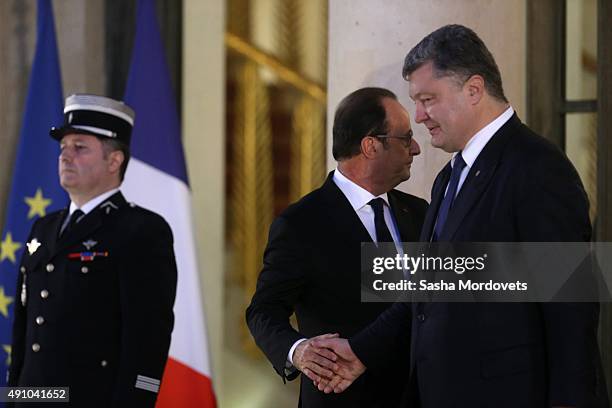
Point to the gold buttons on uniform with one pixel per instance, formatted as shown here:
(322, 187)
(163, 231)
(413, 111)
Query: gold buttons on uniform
(40, 320)
(44, 293)
(84, 269)
(50, 267)
(36, 347)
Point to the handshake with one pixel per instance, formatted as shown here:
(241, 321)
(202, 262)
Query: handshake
(329, 362)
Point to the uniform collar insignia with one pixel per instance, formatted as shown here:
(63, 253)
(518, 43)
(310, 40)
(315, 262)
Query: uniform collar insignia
(33, 245)
(108, 206)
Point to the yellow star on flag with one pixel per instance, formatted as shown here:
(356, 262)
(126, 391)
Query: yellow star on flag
(38, 204)
(8, 247)
(7, 350)
(5, 301)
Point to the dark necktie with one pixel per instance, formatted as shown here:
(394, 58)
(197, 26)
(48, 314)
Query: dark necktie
(449, 198)
(74, 218)
(382, 232)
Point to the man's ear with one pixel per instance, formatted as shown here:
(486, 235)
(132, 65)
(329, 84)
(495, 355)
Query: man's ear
(475, 88)
(115, 160)
(368, 147)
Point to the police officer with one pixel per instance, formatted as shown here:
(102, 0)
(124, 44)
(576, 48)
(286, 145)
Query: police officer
(98, 279)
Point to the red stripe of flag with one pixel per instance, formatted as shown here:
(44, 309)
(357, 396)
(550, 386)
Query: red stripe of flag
(183, 387)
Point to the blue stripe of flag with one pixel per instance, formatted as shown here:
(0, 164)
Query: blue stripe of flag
(156, 136)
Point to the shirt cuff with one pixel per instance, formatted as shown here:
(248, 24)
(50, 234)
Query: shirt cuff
(290, 354)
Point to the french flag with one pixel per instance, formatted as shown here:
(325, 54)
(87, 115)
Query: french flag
(157, 180)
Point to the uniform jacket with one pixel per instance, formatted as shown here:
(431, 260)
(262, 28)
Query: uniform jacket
(99, 324)
(520, 189)
(312, 267)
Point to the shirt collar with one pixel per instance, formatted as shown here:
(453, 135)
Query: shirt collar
(93, 203)
(475, 145)
(358, 196)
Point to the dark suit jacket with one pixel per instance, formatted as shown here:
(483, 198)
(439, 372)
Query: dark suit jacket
(520, 188)
(312, 267)
(104, 321)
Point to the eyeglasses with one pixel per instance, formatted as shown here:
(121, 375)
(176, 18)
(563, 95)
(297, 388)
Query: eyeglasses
(406, 139)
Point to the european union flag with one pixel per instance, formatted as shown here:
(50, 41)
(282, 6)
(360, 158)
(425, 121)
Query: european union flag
(35, 189)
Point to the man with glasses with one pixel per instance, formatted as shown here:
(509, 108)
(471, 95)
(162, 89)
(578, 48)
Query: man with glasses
(312, 260)
(503, 184)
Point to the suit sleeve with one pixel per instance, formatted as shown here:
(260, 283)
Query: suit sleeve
(387, 337)
(280, 283)
(555, 209)
(147, 292)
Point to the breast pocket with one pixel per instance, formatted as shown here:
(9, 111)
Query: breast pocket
(93, 294)
(91, 279)
(87, 270)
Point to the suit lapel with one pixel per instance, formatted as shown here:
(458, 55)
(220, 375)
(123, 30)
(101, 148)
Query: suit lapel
(478, 178)
(403, 217)
(52, 232)
(48, 240)
(437, 194)
(342, 213)
(475, 183)
(91, 222)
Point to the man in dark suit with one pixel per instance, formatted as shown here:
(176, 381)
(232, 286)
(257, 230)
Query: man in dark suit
(503, 184)
(98, 280)
(312, 260)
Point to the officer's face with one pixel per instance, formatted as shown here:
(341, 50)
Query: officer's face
(85, 169)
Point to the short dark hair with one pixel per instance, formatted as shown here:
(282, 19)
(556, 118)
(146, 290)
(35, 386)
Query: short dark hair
(456, 50)
(111, 145)
(358, 115)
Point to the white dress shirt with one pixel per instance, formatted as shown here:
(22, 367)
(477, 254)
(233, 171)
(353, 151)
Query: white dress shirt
(359, 198)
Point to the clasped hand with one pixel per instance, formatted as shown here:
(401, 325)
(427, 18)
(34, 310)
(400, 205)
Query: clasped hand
(329, 362)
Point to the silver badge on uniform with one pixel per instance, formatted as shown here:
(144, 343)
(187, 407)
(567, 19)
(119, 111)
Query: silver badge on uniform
(33, 245)
(90, 243)
(147, 383)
